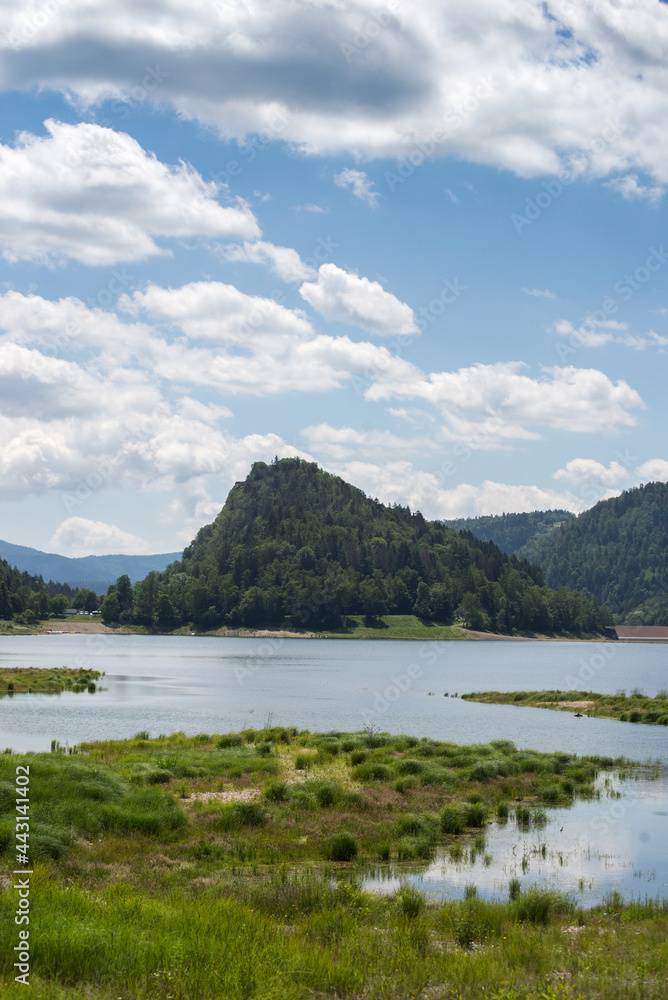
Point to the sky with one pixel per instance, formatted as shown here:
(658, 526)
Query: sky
(419, 243)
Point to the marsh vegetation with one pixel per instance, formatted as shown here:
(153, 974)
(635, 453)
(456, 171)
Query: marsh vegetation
(635, 707)
(233, 865)
(53, 680)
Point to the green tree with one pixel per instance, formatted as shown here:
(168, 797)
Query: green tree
(110, 609)
(166, 614)
(59, 605)
(422, 606)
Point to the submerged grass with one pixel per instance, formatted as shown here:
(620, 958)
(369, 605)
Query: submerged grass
(237, 874)
(635, 707)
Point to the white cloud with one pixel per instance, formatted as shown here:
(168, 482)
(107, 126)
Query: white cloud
(596, 333)
(511, 83)
(631, 190)
(341, 442)
(400, 482)
(488, 405)
(95, 196)
(283, 261)
(346, 298)
(588, 470)
(360, 185)
(654, 470)
(77, 536)
(538, 293)
(309, 207)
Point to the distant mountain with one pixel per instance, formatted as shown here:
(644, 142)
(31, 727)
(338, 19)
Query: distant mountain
(616, 551)
(93, 572)
(296, 543)
(511, 531)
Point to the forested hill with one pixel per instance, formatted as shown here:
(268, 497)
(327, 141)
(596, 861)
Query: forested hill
(296, 543)
(511, 531)
(616, 551)
(25, 598)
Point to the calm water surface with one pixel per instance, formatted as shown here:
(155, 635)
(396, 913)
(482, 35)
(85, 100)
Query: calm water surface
(169, 683)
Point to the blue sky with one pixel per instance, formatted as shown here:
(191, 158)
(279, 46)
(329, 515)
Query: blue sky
(418, 243)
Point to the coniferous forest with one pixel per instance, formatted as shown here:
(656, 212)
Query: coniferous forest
(511, 532)
(299, 545)
(25, 598)
(617, 551)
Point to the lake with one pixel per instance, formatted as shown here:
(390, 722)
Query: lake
(169, 683)
(197, 684)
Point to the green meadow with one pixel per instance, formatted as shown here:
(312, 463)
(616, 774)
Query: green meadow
(231, 866)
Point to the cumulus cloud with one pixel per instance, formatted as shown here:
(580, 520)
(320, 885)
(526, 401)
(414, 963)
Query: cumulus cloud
(517, 84)
(596, 333)
(95, 196)
(116, 412)
(488, 405)
(400, 482)
(631, 190)
(655, 470)
(360, 185)
(283, 261)
(77, 536)
(588, 470)
(341, 442)
(344, 297)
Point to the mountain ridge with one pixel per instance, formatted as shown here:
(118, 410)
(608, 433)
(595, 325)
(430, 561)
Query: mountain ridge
(83, 570)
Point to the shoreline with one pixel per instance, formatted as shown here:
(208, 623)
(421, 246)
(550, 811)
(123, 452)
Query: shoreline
(465, 635)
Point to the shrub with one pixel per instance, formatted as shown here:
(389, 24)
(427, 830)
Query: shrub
(277, 791)
(502, 810)
(410, 902)
(341, 847)
(303, 761)
(538, 906)
(371, 771)
(410, 766)
(230, 740)
(327, 793)
(452, 820)
(514, 889)
(475, 814)
(358, 757)
(466, 928)
(410, 826)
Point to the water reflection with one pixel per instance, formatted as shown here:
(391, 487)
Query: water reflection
(616, 842)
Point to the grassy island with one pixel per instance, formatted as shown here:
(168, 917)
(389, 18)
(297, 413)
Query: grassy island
(50, 680)
(635, 707)
(231, 866)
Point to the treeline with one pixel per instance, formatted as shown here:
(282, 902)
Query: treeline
(295, 544)
(511, 531)
(27, 599)
(617, 552)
